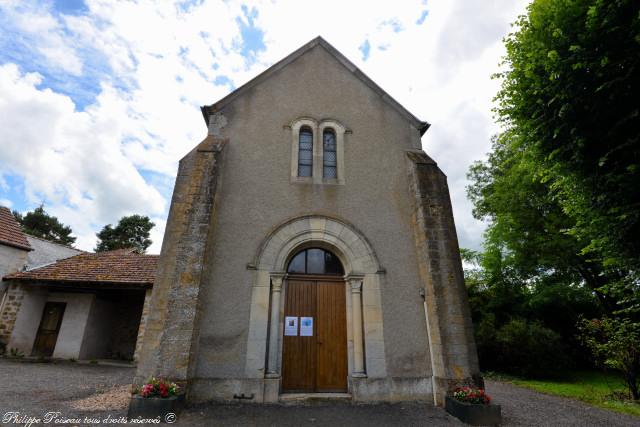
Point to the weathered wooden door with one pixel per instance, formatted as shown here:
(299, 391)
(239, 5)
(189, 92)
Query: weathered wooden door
(316, 363)
(49, 328)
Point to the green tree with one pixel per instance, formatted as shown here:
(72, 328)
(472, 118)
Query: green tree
(39, 223)
(131, 232)
(615, 343)
(526, 242)
(570, 98)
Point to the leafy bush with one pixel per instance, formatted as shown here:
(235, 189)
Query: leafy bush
(615, 343)
(521, 348)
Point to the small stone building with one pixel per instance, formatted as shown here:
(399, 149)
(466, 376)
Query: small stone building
(20, 251)
(310, 248)
(14, 246)
(89, 306)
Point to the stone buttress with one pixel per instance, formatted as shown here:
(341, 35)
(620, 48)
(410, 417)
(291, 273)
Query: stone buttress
(170, 341)
(448, 317)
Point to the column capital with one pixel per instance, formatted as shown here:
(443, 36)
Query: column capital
(354, 276)
(276, 280)
(355, 281)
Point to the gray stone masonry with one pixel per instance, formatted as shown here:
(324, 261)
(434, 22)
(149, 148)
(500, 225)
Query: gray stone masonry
(171, 332)
(455, 361)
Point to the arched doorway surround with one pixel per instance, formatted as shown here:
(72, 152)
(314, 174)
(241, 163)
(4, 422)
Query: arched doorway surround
(365, 336)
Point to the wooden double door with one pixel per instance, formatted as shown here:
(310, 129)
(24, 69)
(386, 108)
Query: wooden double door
(315, 358)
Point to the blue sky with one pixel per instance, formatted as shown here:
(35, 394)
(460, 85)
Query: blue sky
(99, 99)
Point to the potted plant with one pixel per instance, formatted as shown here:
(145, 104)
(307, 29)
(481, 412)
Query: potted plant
(157, 398)
(473, 406)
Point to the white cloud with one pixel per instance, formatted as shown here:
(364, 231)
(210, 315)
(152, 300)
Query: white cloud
(46, 33)
(156, 62)
(72, 158)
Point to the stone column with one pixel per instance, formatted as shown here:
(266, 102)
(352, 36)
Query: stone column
(355, 283)
(274, 331)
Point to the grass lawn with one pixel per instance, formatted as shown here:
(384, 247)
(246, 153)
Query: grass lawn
(593, 387)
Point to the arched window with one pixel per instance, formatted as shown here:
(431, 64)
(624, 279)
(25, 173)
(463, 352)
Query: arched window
(305, 152)
(315, 261)
(317, 151)
(329, 154)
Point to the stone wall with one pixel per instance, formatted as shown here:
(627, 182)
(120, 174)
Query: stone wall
(257, 195)
(11, 260)
(45, 252)
(453, 350)
(143, 324)
(11, 307)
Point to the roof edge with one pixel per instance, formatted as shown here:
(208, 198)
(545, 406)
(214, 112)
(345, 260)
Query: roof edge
(38, 279)
(207, 110)
(16, 245)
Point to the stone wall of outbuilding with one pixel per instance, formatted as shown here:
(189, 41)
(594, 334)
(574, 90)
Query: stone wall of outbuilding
(9, 311)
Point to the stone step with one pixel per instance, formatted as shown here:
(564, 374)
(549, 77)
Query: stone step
(294, 398)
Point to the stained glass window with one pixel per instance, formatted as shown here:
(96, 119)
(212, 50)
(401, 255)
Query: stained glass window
(329, 157)
(305, 152)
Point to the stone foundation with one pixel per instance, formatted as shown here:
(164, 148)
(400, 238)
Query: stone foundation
(267, 390)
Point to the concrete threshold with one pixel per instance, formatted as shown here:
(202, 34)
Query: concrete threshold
(307, 397)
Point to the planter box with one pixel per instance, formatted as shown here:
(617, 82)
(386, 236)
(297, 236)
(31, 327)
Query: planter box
(155, 407)
(473, 413)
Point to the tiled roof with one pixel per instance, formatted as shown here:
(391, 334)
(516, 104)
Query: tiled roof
(122, 266)
(10, 232)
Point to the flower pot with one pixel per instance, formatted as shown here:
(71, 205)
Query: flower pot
(163, 408)
(473, 413)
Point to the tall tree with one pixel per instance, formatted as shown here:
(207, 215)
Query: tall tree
(571, 92)
(131, 232)
(526, 240)
(39, 223)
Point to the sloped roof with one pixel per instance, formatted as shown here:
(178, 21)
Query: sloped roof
(207, 110)
(10, 232)
(122, 266)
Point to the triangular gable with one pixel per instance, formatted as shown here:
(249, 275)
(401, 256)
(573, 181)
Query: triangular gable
(207, 110)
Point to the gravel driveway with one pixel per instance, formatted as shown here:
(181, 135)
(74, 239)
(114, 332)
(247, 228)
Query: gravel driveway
(96, 391)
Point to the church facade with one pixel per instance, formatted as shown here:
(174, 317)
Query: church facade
(310, 248)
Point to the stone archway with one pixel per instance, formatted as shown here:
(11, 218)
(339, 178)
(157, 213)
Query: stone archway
(363, 299)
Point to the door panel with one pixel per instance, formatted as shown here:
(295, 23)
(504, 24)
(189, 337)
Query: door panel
(316, 363)
(298, 353)
(49, 328)
(332, 337)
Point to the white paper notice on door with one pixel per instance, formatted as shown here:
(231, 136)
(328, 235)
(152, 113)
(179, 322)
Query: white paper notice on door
(306, 326)
(291, 326)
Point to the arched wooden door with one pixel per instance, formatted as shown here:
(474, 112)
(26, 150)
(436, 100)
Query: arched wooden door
(314, 353)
